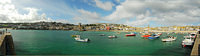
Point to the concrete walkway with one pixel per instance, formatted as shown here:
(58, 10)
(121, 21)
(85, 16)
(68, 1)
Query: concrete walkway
(195, 49)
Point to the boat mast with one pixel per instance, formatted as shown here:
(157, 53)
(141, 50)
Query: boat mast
(148, 27)
(80, 27)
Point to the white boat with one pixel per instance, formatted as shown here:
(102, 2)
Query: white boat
(78, 38)
(159, 34)
(112, 36)
(102, 34)
(168, 33)
(171, 38)
(187, 42)
(191, 35)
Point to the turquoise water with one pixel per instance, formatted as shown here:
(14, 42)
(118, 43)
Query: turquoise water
(49, 42)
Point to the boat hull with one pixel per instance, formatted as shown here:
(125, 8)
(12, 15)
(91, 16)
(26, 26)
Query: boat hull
(169, 39)
(187, 42)
(112, 36)
(146, 35)
(153, 37)
(83, 40)
(130, 34)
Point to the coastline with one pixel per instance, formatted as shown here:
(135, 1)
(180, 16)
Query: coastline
(117, 30)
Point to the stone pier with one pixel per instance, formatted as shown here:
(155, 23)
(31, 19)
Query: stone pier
(6, 45)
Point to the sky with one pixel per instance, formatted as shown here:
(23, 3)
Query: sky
(137, 13)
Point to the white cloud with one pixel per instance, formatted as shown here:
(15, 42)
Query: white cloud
(87, 17)
(62, 20)
(10, 14)
(117, 1)
(104, 5)
(142, 19)
(170, 12)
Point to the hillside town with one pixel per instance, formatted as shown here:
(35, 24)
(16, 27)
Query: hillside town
(92, 27)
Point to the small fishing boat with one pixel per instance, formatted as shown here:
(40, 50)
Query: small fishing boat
(146, 35)
(112, 36)
(159, 34)
(118, 33)
(102, 34)
(187, 42)
(78, 38)
(132, 34)
(154, 36)
(171, 38)
(191, 35)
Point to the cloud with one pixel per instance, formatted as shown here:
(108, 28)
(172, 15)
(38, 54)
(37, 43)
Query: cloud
(62, 20)
(170, 12)
(131, 12)
(104, 5)
(87, 17)
(117, 1)
(142, 19)
(9, 14)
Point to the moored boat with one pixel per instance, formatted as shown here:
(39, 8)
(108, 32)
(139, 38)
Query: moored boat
(187, 42)
(112, 36)
(102, 34)
(118, 33)
(146, 35)
(132, 34)
(191, 35)
(159, 34)
(78, 38)
(154, 37)
(171, 38)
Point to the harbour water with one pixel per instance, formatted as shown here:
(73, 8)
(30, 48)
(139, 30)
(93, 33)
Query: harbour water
(52, 42)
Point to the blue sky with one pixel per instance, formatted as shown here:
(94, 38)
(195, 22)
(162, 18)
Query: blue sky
(65, 9)
(137, 13)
